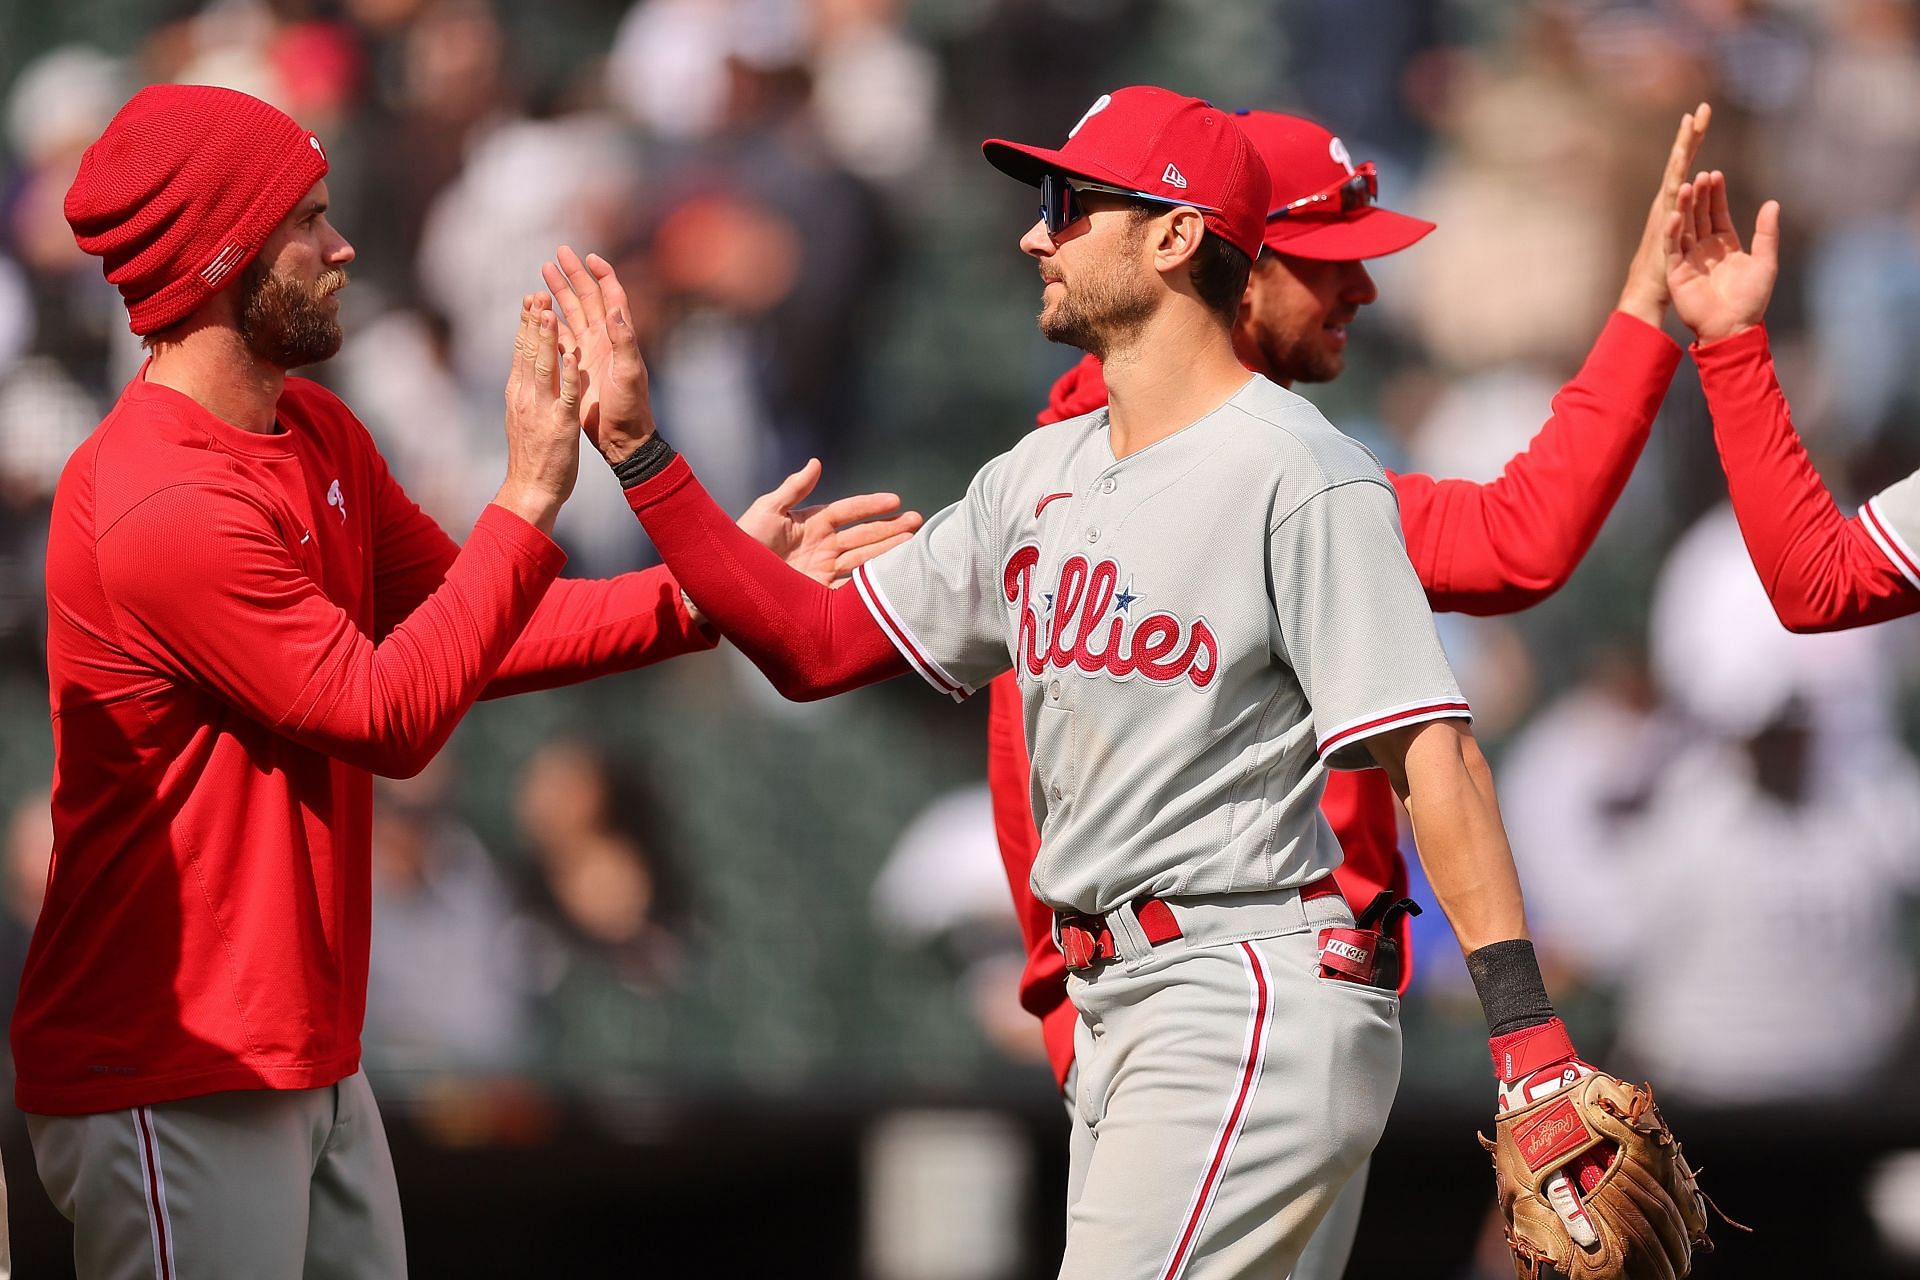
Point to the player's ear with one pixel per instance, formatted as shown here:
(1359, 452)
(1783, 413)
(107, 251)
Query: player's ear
(1176, 238)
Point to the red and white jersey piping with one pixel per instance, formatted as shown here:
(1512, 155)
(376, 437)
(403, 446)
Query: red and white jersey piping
(1888, 539)
(1389, 719)
(912, 650)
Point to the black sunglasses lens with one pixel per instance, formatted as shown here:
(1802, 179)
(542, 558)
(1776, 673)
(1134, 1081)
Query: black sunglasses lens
(1056, 204)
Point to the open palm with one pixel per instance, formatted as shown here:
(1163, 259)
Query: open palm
(829, 541)
(614, 408)
(1719, 287)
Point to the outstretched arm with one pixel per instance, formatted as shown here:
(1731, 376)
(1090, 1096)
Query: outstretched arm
(1508, 544)
(809, 640)
(1822, 570)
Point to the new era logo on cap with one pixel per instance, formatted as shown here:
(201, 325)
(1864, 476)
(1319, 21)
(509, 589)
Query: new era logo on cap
(1125, 140)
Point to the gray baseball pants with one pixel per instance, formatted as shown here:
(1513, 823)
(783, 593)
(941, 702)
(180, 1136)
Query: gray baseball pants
(257, 1184)
(1225, 1095)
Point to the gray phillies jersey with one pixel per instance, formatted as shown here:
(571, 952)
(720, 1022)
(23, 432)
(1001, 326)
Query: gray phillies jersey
(1892, 516)
(1196, 628)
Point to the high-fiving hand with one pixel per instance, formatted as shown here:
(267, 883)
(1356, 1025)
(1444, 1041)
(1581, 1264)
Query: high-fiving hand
(1644, 296)
(543, 397)
(614, 408)
(609, 395)
(1718, 287)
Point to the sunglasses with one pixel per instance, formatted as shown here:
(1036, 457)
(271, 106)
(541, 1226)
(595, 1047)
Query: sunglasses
(1060, 210)
(1357, 190)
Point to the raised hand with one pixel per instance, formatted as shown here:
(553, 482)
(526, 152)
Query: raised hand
(614, 408)
(826, 542)
(542, 421)
(1645, 294)
(1718, 287)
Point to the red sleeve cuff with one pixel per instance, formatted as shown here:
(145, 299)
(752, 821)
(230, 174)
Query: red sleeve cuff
(1636, 362)
(522, 538)
(1625, 330)
(1746, 345)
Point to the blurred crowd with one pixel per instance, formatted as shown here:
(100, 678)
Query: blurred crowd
(821, 265)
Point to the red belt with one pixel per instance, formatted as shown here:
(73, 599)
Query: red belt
(1087, 940)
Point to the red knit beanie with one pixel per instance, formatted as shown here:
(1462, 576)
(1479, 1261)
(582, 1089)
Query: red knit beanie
(181, 191)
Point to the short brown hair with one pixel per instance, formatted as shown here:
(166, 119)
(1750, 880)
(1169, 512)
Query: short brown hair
(1219, 273)
(1218, 270)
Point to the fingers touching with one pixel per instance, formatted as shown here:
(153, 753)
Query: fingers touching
(1686, 145)
(1702, 206)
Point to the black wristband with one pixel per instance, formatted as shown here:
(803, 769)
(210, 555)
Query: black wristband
(644, 463)
(1506, 977)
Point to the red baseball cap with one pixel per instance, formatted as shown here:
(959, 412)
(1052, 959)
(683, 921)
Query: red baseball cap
(1304, 160)
(1162, 146)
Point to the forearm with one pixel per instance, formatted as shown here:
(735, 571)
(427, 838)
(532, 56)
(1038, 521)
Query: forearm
(1444, 781)
(590, 628)
(1821, 570)
(390, 708)
(810, 641)
(1505, 545)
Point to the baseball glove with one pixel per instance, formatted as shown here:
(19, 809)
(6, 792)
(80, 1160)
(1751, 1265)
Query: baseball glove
(1645, 1210)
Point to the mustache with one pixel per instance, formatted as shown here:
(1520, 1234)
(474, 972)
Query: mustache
(330, 282)
(1050, 277)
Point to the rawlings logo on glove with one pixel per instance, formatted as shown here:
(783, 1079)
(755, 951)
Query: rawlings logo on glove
(1589, 1177)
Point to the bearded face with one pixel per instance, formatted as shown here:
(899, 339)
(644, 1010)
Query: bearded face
(288, 322)
(1293, 321)
(1105, 297)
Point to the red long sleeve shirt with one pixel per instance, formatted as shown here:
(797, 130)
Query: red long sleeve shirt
(242, 630)
(1482, 549)
(1823, 570)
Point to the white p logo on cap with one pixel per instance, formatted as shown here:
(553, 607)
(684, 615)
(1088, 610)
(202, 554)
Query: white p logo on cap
(1099, 104)
(1338, 150)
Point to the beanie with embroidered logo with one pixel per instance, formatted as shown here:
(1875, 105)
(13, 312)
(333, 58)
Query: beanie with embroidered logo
(182, 189)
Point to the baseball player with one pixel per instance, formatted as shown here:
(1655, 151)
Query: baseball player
(247, 620)
(1482, 549)
(1206, 594)
(1822, 569)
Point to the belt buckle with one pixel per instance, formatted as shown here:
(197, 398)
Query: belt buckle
(1080, 940)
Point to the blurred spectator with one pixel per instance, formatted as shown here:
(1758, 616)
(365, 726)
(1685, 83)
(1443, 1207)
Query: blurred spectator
(447, 987)
(451, 85)
(762, 254)
(1506, 193)
(942, 885)
(1572, 784)
(862, 56)
(397, 371)
(668, 68)
(599, 882)
(1860, 127)
(1763, 961)
(59, 104)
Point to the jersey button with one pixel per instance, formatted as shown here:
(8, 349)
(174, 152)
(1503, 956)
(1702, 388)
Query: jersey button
(1109, 485)
(1059, 792)
(1053, 691)
(1093, 535)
